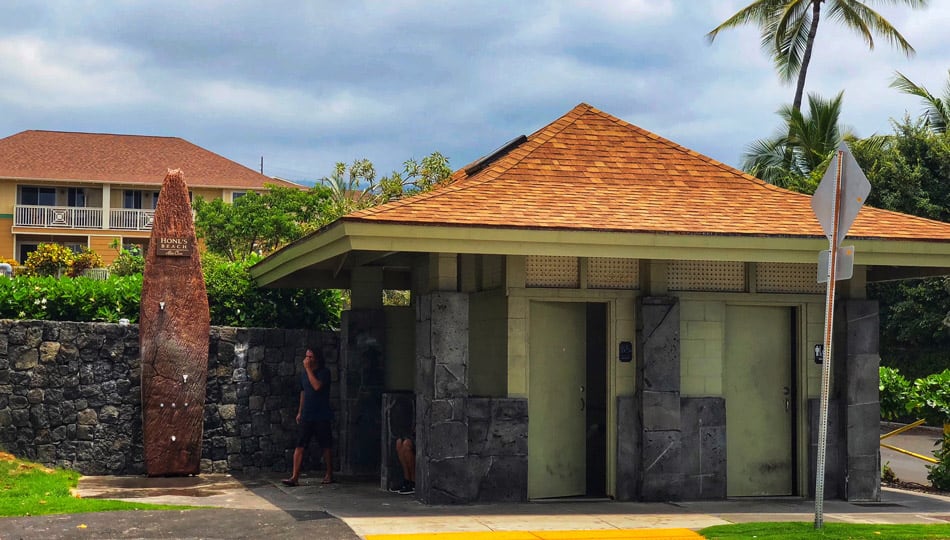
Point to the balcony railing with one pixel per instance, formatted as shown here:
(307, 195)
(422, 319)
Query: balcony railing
(131, 220)
(58, 217)
(67, 217)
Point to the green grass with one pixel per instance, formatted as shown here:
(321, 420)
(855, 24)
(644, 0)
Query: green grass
(834, 531)
(29, 489)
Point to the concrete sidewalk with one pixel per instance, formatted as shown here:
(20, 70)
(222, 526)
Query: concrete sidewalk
(367, 510)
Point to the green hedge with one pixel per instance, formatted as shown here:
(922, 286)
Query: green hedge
(233, 299)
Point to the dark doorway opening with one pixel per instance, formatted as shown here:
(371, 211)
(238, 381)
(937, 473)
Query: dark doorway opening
(596, 398)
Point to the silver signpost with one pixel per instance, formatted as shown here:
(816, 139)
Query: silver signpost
(836, 203)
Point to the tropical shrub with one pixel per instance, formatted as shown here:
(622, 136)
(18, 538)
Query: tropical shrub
(894, 392)
(930, 398)
(128, 262)
(939, 474)
(48, 260)
(83, 261)
(234, 299)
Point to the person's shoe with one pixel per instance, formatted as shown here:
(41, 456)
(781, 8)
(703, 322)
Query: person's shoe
(407, 488)
(289, 482)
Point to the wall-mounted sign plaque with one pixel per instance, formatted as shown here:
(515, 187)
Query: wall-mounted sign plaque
(173, 247)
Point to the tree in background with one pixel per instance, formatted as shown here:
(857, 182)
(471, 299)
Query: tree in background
(800, 148)
(910, 173)
(355, 187)
(788, 29)
(936, 110)
(260, 223)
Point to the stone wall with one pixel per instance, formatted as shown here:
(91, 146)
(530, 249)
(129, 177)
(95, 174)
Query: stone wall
(658, 399)
(70, 395)
(468, 449)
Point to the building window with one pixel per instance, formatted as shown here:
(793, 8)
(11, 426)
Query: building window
(37, 196)
(132, 198)
(76, 197)
(235, 195)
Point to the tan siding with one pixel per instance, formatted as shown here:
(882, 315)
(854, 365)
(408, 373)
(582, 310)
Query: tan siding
(6, 239)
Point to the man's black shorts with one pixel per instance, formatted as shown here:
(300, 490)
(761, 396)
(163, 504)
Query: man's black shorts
(319, 428)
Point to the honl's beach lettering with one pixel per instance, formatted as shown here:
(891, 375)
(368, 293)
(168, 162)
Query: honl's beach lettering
(173, 247)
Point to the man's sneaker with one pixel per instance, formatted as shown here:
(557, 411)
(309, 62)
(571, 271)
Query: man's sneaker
(407, 488)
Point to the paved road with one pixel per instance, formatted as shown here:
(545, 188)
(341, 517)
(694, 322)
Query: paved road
(921, 440)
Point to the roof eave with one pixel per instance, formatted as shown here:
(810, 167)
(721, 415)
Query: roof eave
(347, 235)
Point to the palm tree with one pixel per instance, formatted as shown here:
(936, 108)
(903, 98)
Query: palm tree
(801, 146)
(937, 110)
(788, 29)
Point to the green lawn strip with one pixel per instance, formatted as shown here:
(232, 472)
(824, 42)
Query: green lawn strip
(834, 531)
(29, 489)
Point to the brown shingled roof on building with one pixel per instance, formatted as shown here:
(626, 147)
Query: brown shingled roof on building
(589, 170)
(126, 159)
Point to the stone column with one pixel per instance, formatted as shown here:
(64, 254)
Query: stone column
(442, 473)
(858, 361)
(362, 381)
(658, 398)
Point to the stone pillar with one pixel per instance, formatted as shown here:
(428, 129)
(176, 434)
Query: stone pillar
(362, 381)
(658, 398)
(442, 474)
(858, 361)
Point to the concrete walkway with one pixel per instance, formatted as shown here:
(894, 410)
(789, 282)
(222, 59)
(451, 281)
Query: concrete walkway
(365, 510)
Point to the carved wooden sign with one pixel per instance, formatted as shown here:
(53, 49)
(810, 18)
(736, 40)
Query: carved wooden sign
(174, 324)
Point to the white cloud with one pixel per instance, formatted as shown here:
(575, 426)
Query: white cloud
(45, 74)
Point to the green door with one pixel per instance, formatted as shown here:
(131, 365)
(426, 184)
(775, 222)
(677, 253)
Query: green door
(557, 454)
(757, 389)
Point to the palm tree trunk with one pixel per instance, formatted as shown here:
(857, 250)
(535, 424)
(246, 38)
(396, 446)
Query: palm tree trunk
(806, 57)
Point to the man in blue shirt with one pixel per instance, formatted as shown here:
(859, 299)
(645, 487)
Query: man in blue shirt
(314, 416)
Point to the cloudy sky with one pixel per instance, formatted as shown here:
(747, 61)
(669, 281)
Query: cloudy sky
(308, 83)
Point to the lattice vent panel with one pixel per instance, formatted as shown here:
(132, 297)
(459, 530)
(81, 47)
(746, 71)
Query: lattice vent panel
(491, 272)
(725, 276)
(787, 278)
(609, 273)
(552, 271)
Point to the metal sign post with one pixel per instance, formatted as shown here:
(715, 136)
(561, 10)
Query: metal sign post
(836, 203)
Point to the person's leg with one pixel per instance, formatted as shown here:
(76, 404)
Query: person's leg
(298, 462)
(407, 458)
(401, 454)
(328, 460)
(324, 432)
(303, 438)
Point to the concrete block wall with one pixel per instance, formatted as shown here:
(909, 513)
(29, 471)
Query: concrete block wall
(701, 346)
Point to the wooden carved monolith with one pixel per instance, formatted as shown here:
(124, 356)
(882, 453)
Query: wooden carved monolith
(174, 324)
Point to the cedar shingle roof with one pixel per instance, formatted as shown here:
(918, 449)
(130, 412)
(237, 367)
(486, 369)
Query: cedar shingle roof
(589, 170)
(126, 159)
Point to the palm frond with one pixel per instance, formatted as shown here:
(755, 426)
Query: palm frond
(936, 110)
(866, 22)
(791, 39)
(758, 12)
